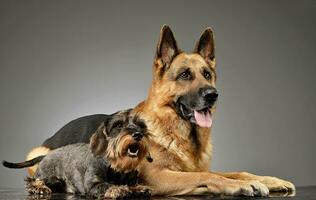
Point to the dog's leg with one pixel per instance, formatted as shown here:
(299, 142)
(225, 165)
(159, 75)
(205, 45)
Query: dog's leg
(37, 186)
(118, 192)
(167, 182)
(274, 184)
(56, 184)
(140, 191)
(126, 192)
(99, 189)
(110, 191)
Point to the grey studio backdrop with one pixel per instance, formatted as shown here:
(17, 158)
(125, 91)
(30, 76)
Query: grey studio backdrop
(60, 60)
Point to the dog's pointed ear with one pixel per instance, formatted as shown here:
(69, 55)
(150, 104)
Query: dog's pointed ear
(205, 46)
(167, 47)
(98, 141)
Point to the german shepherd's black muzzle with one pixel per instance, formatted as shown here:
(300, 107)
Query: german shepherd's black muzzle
(196, 106)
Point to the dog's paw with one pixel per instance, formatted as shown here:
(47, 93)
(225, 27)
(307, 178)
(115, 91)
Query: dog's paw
(274, 184)
(277, 185)
(141, 191)
(37, 186)
(257, 189)
(240, 188)
(118, 192)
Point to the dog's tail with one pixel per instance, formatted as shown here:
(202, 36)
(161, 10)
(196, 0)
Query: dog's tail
(24, 164)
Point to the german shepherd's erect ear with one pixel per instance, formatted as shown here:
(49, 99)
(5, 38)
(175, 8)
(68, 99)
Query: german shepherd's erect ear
(167, 47)
(205, 46)
(99, 142)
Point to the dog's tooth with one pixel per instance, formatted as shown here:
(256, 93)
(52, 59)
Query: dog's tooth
(132, 154)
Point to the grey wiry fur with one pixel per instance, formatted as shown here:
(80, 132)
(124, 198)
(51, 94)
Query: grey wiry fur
(76, 168)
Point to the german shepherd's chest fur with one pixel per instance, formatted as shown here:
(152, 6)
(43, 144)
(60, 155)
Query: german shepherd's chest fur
(180, 104)
(186, 146)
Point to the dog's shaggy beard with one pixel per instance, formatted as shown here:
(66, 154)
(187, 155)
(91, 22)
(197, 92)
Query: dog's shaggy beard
(117, 153)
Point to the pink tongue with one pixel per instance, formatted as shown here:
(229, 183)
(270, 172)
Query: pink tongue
(203, 119)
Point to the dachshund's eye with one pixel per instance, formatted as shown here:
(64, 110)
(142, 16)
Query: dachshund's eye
(207, 75)
(186, 75)
(141, 125)
(117, 125)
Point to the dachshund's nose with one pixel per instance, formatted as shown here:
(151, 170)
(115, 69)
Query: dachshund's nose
(137, 136)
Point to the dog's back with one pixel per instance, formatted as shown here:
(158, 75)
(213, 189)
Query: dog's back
(76, 131)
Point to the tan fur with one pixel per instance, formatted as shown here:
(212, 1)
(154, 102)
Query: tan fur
(167, 128)
(274, 184)
(117, 150)
(38, 151)
(180, 165)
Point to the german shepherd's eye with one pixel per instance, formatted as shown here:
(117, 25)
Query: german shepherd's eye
(207, 75)
(186, 75)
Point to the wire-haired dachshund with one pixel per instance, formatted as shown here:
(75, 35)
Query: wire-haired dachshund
(105, 168)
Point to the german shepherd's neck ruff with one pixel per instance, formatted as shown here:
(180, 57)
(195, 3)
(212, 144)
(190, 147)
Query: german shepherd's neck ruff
(180, 107)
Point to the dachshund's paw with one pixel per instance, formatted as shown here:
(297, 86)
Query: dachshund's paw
(37, 186)
(118, 192)
(141, 191)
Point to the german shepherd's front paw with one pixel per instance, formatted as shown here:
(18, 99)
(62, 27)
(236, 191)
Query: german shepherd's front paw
(277, 185)
(37, 186)
(274, 184)
(118, 192)
(240, 188)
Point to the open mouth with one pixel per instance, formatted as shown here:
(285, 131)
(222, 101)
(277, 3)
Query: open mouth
(133, 150)
(201, 117)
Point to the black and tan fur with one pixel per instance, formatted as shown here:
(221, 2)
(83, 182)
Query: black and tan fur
(182, 149)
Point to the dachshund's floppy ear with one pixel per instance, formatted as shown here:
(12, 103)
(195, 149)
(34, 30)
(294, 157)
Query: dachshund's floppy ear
(98, 141)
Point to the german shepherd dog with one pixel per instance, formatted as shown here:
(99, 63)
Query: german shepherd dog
(178, 113)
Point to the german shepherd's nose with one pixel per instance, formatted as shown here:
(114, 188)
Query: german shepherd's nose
(209, 94)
